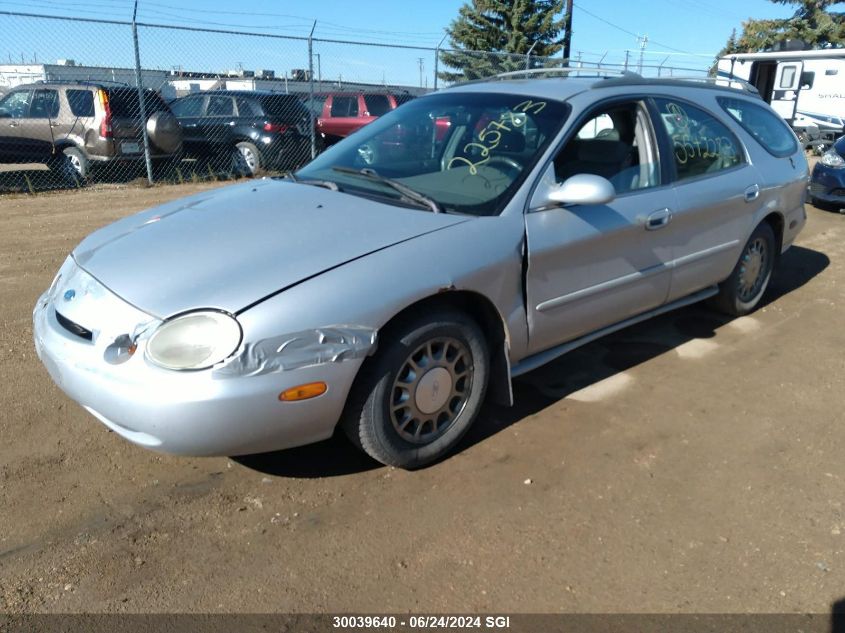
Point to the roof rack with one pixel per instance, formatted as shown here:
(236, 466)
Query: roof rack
(80, 82)
(728, 83)
(587, 70)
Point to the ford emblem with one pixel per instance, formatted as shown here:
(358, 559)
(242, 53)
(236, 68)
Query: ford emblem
(70, 294)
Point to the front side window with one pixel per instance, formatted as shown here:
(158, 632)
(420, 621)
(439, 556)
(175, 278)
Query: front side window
(616, 143)
(16, 105)
(701, 145)
(765, 126)
(469, 152)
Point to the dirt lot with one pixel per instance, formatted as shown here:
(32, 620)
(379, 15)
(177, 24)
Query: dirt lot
(690, 464)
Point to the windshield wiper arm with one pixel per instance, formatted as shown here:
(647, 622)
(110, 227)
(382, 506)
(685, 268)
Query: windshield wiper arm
(328, 184)
(405, 190)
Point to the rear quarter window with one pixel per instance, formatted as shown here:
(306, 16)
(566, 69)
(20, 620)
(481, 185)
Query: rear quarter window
(767, 128)
(377, 105)
(81, 102)
(287, 107)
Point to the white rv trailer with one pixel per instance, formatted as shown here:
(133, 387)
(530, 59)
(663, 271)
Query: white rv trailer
(806, 87)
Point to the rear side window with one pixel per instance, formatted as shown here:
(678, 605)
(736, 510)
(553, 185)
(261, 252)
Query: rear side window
(81, 102)
(765, 126)
(345, 106)
(377, 104)
(702, 145)
(247, 107)
(220, 106)
(45, 105)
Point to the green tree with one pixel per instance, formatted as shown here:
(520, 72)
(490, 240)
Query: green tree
(813, 22)
(493, 36)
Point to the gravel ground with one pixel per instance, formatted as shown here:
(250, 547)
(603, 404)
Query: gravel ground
(688, 464)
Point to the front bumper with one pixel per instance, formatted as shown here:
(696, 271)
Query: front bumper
(827, 184)
(186, 413)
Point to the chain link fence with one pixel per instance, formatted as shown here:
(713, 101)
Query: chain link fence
(111, 101)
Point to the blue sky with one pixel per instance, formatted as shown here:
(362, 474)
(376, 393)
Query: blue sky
(681, 33)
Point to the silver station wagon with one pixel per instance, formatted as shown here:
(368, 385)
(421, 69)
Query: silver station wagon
(409, 272)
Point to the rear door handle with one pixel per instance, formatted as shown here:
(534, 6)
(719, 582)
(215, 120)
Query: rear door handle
(14, 124)
(658, 219)
(752, 193)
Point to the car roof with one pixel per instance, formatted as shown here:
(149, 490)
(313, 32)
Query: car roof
(242, 93)
(562, 88)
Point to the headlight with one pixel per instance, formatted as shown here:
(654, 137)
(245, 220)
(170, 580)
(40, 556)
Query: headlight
(196, 340)
(832, 159)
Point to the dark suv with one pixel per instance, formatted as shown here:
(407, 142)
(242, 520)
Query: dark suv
(255, 129)
(83, 124)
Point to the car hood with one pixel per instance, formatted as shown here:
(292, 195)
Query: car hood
(230, 248)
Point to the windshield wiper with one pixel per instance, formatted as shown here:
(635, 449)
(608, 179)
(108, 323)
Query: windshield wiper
(406, 191)
(328, 184)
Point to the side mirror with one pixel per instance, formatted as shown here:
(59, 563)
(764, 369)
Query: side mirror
(583, 189)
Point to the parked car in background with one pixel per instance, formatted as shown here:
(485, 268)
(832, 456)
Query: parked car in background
(84, 124)
(339, 114)
(393, 292)
(249, 130)
(827, 180)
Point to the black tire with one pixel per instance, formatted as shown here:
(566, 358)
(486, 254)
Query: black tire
(378, 399)
(248, 160)
(78, 161)
(740, 293)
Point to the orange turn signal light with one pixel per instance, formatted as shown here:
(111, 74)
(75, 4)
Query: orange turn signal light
(303, 392)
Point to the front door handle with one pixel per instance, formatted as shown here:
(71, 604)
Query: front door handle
(752, 193)
(14, 124)
(658, 220)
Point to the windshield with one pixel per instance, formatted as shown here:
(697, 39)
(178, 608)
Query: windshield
(469, 152)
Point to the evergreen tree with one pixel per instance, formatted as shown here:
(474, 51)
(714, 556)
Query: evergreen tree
(493, 36)
(812, 22)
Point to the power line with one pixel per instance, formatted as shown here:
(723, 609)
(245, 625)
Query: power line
(624, 30)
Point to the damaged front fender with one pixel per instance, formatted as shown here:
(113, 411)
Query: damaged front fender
(332, 344)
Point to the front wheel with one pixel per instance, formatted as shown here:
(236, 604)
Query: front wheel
(740, 293)
(422, 391)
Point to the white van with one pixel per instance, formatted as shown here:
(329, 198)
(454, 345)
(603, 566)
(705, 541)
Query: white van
(806, 87)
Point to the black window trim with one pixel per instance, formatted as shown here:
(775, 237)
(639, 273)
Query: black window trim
(783, 154)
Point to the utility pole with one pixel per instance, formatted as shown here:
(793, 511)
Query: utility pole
(567, 32)
(643, 41)
(421, 62)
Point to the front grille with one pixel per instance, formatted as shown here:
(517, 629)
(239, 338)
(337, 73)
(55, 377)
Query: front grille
(74, 328)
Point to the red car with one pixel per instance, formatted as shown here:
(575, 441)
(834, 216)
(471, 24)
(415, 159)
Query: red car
(341, 113)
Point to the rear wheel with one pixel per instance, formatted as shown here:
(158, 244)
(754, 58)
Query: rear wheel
(418, 396)
(740, 293)
(78, 161)
(247, 158)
